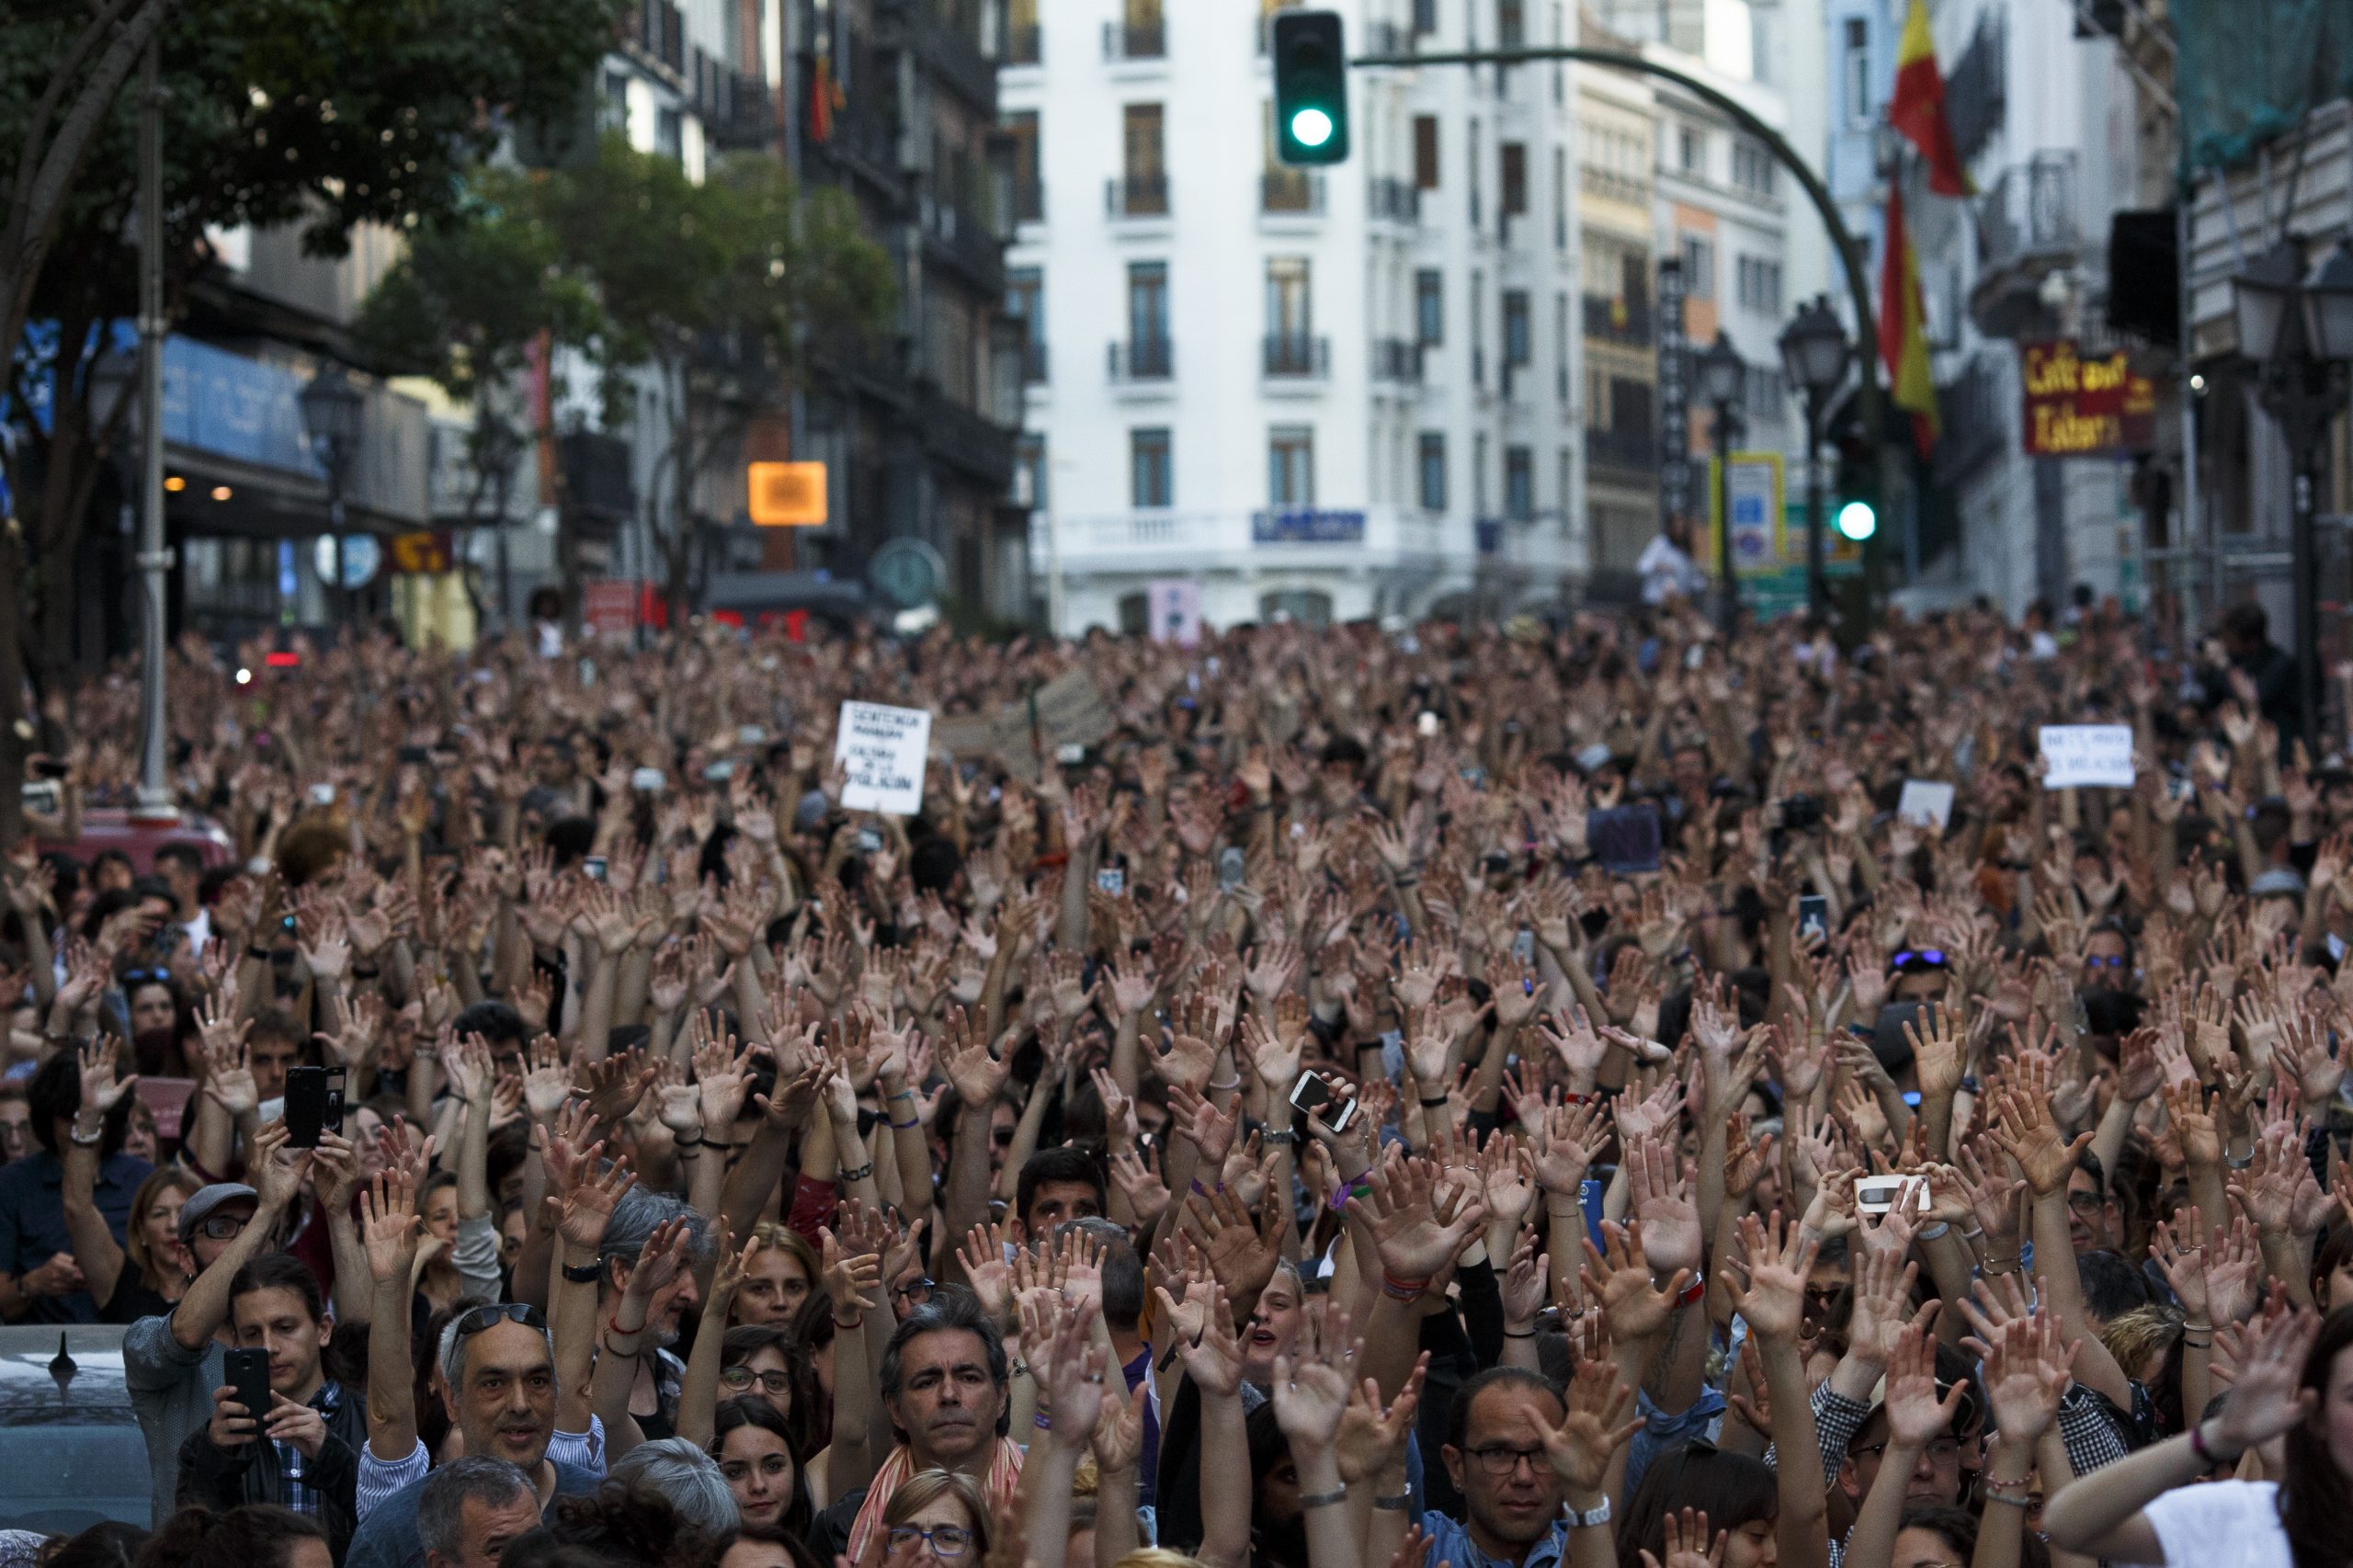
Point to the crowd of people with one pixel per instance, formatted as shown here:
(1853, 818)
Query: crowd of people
(1396, 1098)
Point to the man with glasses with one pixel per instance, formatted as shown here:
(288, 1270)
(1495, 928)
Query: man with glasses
(2095, 1223)
(172, 1363)
(1513, 1499)
(1938, 1472)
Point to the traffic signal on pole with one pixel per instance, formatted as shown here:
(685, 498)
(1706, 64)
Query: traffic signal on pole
(1854, 500)
(1311, 87)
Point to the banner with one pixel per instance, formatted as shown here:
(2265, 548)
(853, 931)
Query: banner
(2077, 754)
(2082, 407)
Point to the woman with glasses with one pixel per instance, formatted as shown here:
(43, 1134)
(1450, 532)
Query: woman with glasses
(934, 1519)
(754, 1448)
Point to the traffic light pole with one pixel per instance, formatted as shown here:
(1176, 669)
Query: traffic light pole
(1854, 259)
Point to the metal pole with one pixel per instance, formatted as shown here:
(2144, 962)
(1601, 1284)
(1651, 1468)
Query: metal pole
(2306, 556)
(155, 799)
(339, 600)
(1728, 590)
(1817, 590)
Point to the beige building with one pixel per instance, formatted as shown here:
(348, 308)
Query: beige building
(1617, 151)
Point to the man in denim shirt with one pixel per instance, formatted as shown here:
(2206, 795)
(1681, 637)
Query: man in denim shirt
(1517, 1514)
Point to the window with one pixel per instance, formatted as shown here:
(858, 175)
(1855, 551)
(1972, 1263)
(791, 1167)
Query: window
(1309, 606)
(1560, 199)
(1478, 336)
(1025, 302)
(1146, 175)
(1149, 468)
(1519, 483)
(1474, 174)
(1855, 72)
(1426, 152)
(670, 134)
(1426, 15)
(1511, 24)
(1698, 268)
(1291, 466)
(1566, 482)
(1690, 150)
(1028, 190)
(1431, 466)
(1030, 471)
(1518, 334)
(1515, 178)
(1479, 474)
(1147, 303)
(1286, 297)
(1758, 284)
(1752, 167)
(1561, 343)
(1429, 307)
(1767, 396)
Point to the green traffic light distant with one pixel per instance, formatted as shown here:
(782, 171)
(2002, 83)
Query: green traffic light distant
(1311, 128)
(1310, 60)
(1858, 521)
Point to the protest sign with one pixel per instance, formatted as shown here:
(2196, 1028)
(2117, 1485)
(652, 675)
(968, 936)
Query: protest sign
(1926, 803)
(883, 751)
(2077, 755)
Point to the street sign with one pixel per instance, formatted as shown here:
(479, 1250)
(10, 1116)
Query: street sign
(787, 496)
(362, 558)
(907, 571)
(425, 554)
(609, 609)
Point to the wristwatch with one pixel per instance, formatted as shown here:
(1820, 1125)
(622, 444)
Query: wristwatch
(1598, 1515)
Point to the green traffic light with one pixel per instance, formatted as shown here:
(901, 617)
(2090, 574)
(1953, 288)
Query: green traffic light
(1311, 128)
(1857, 521)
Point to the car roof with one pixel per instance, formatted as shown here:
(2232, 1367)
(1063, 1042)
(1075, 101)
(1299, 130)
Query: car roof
(87, 1387)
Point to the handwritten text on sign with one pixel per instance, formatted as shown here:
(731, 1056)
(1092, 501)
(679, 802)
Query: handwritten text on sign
(882, 751)
(2088, 753)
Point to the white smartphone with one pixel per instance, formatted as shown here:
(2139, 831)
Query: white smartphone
(1310, 1094)
(1877, 1194)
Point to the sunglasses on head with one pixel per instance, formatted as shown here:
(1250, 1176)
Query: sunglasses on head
(481, 1317)
(1910, 960)
(146, 977)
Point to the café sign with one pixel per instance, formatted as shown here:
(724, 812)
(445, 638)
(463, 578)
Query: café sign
(2079, 405)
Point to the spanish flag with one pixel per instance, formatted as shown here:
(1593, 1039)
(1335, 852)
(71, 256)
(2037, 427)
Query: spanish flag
(825, 100)
(1903, 328)
(1917, 110)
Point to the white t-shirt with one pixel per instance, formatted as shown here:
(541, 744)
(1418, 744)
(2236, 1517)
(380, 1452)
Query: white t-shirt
(2221, 1523)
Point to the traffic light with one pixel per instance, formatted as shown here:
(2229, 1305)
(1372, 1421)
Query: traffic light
(1857, 519)
(1854, 498)
(1311, 87)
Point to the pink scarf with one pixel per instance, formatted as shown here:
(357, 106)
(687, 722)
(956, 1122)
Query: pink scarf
(1005, 1480)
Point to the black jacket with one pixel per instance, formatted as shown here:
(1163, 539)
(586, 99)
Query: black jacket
(216, 1477)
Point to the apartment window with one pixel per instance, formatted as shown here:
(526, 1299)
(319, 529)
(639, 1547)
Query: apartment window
(1430, 470)
(670, 134)
(1030, 471)
(1560, 199)
(1560, 342)
(1518, 333)
(1141, 36)
(1567, 485)
(1149, 468)
(1511, 24)
(1855, 72)
(1758, 283)
(1478, 336)
(1426, 15)
(1560, 76)
(1021, 37)
(1519, 483)
(1028, 190)
(1426, 152)
(1025, 302)
(1766, 399)
(1143, 165)
(1690, 150)
(1515, 173)
(1291, 466)
(1698, 268)
(1479, 474)
(1429, 307)
(1149, 307)
(1286, 297)
(1474, 174)
(1752, 167)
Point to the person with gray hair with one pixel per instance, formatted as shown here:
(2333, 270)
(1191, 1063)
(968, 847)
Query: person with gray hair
(638, 1217)
(469, 1509)
(683, 1475)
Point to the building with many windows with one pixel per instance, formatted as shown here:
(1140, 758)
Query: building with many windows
(1321, 394)
(1617, 149)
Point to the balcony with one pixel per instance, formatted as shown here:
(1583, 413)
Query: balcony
(963, 440)
(1295, 357)
(2026, 230)
(1136, 41)
(1137, 195)
(657, 31)
(957, 235)
(738, 109)
(1615, 319)
(1397, 360)
(1393, 200)
(1034, 363)
(1030, 200)
(1633, 450)
(1291, 191)
(951, 53)
(1142, 359)
(1024, 46)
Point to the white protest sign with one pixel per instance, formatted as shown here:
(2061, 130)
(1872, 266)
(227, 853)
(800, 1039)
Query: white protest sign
(1173, 606)
(882, 750)
(1927, 802)
(2077, 754)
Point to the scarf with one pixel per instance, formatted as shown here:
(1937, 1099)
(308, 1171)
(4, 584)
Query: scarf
(1004, 1480)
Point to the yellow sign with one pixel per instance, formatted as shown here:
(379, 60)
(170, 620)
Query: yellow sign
(787, 496)
(420, 553)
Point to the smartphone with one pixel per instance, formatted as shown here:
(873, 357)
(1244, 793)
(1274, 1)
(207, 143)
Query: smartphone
(868, 841)
(314, 1105)
(1312, 1093)
(750, 735)
(323, 794)
(1112, 879)
(51, 766)
(247, 1371)
(1813, 917)
(1877, 1194)
(594, 866)
(1523, 947)
(1231, 866)
(719, 772)
(647, 780)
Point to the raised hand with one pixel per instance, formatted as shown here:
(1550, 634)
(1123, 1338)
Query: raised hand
(1687, 1544)
(1371, 1440)
(1617, 1281)
(1914, 1415)
(2026, 1362)
(1212, 1353)
(2268, 1397)
(1593, 1427)
(1661, 1187)
(1314, 1377)
(390, 1226)
(1418, 1230)
(1779, 1258)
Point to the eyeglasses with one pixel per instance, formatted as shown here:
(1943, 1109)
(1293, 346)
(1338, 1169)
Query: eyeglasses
(740, 1378)
(1918, 958)
(916, 1291)
(146, 977)
(1502, 1459)
(947, 1540)
(1939, 1449)
(226, 1227)
(481, 1317)
(2086, 1202)
(2113, 961)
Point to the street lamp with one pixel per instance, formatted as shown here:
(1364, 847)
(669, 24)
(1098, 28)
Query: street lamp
(2299, 330)
(497, 446)
(331, 409)
(1814, 356)
(1724, 375)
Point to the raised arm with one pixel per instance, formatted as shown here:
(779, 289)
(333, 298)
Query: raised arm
(699, 1391)
(95, 1252)
(662, 1270)
(1774, 1305)
(277, 1175)
(391, 1226)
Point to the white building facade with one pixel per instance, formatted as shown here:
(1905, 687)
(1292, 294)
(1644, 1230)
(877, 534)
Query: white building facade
(1321, 394)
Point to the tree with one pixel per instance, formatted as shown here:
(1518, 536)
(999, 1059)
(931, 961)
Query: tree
(325, 113)
(714, 289)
